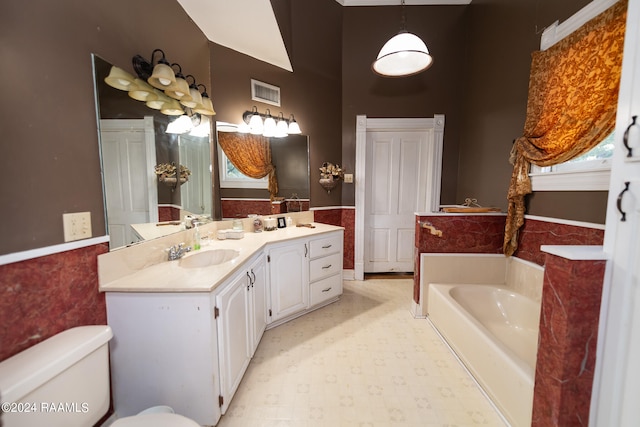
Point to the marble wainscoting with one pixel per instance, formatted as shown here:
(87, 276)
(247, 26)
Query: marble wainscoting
(571, 295)
(456, 233)
(168, 213)
(43, 296)
(240, 208)
(342, 217)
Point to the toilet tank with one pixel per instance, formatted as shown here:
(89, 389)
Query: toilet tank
(62, 381)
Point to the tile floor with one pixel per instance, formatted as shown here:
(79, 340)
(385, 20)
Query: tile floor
(362, 361)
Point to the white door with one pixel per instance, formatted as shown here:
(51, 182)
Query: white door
(617, 376)
(195, 194)
(398, 170)
(395, 188)
(128, 157)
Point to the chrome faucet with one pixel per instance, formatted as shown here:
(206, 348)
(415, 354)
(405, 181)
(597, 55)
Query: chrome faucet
(178, 251)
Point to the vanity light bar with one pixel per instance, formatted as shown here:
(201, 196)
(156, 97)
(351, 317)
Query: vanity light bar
(266, 125)
(162, 88)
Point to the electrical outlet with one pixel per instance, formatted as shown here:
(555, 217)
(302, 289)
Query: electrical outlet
(76, 226)
(348, 178)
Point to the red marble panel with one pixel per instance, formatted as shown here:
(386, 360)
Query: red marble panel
(168, 213)
(44, 296)
(237, 208)
(460, 234)
(535, 233)
(342, 218)
(571, 297)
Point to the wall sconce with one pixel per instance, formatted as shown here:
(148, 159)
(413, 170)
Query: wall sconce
(264, 124)
(161, 88)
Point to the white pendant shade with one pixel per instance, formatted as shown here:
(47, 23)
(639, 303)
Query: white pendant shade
(404, 54)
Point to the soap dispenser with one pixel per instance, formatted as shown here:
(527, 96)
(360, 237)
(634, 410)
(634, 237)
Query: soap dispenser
(196, 238)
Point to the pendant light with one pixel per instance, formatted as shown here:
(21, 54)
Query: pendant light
(405, 54)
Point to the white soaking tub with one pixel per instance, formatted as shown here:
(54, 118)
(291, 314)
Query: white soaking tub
(494, 331)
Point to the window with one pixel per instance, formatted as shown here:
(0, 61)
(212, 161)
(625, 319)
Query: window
(230, 177)
(590, 171)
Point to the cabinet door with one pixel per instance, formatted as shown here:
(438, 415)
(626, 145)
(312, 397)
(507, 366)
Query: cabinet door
(233, 335)
(289, 279)
(258, 276)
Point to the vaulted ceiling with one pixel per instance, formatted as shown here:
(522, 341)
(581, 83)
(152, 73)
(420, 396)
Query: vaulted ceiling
(259, 35)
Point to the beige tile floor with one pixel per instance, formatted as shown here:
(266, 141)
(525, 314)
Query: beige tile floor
(362, 361)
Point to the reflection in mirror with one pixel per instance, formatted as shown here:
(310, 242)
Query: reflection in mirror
(133, 140)
(243, 196)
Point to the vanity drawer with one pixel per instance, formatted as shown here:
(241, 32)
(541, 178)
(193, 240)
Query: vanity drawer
(326, 289)
(325, 246)
(325, 267)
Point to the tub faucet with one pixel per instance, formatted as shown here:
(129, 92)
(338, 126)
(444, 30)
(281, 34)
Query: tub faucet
(178, 251)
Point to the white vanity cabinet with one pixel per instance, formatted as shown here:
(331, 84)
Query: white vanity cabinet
(241, 319)
(288, 278)
(325, 268)
(304, 274)
(189, 347)
(164, 351)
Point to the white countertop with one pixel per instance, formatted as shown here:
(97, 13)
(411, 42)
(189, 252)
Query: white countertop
(169, 276)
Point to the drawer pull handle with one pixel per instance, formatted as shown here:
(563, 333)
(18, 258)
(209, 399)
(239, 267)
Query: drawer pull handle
(326, 266)
(327, 290)
(326, 247)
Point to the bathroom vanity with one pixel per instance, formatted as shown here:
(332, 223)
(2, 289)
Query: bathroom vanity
(186, 330)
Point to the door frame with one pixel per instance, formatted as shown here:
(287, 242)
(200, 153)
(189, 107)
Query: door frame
(364, 124)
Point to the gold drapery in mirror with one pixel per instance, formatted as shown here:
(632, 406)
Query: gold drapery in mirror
(251, 155)
(571, 107)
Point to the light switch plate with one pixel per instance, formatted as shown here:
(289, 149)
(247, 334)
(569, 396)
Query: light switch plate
(76, 226)
(348, 178)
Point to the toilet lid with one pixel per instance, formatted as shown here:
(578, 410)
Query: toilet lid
(155, 420)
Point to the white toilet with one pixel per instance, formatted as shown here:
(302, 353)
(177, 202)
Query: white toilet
(64, 381)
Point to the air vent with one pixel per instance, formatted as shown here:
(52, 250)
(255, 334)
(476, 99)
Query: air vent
(264, 92)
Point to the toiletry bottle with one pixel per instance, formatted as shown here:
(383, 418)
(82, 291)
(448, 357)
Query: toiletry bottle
(196, 239)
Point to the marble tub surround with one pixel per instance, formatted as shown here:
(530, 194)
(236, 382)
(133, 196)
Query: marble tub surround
(572, 292)
(144, 267)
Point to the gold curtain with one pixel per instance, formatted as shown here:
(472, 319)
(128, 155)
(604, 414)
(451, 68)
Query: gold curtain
(251, 155)
(573, 97)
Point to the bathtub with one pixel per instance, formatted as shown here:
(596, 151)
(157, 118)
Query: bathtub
(494, 331)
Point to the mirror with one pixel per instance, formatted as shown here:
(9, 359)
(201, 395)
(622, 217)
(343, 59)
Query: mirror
(133, 140)
(243, 196)
(132, 133)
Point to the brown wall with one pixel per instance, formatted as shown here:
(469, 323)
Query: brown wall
(50, 144)
(501, 36)
(437, 90)
(312, 32)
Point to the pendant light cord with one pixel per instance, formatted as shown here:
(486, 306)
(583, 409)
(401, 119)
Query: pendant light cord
(403, 23)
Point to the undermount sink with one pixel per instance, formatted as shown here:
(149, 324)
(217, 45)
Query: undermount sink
(208, 258)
